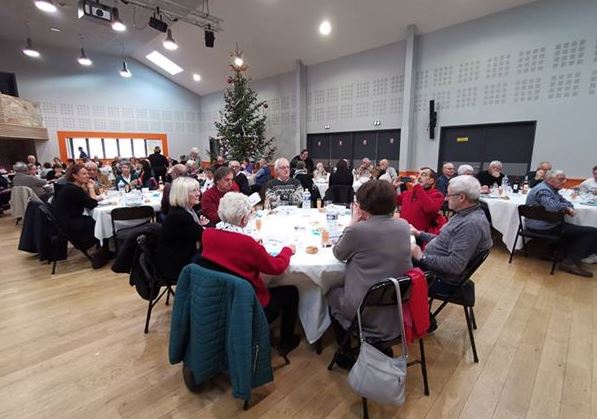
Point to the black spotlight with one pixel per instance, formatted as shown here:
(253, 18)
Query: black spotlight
(210, 37)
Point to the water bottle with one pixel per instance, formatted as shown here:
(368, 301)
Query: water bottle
(331, 217)
(121, 185)
(505, 183)
(306, 199)
(525, 185)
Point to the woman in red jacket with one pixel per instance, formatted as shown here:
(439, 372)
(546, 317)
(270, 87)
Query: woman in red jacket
(228, 248)
(420, 205)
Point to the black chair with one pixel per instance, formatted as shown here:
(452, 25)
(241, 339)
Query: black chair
(537, 213)
(462, 294)
(4, 200)
(379, 295)
(58, 236)
(340, 194)
(145, 214)
(154, 279)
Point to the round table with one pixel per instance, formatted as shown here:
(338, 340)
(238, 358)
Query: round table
(504, 215)
(312, 274)
(103, 219)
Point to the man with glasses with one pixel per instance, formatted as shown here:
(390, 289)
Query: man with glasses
(466, 235)
(420, 205)
(283, 190)
(578, 242)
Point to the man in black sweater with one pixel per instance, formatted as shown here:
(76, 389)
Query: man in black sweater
(283, 190)
(239, 177)
(159, 163)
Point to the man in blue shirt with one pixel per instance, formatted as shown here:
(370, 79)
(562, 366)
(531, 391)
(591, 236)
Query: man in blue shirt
(448, 172)
(577, 241)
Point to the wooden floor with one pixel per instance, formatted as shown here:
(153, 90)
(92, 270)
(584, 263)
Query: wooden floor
(72, 346)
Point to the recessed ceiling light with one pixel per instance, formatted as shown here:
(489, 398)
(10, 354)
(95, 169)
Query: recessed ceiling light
(196, 77)
(164, 63)
(325, 27)
(53, 29)
(46, 6)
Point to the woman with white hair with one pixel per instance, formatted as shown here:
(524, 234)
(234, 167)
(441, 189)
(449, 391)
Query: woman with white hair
(465, 169)
(228, 248)
(182, 229)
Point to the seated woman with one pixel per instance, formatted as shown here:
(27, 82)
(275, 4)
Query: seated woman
(306, 181)
(181, 230)
(342, 175)
(146, 178)
(76, 195)
(375, 246)
(124, 180)
(228, 248)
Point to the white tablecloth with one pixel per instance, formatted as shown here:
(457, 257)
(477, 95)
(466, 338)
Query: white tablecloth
(323, 185)
(103, 220)
(504, 216)
(313, 275)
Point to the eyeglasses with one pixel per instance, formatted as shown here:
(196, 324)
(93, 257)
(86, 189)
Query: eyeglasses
(452, 194)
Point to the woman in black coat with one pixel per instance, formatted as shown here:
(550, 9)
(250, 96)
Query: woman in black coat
(181, 230)
(342, 176)
(69, 204)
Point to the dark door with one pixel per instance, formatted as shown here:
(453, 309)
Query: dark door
(341, 147)
(319, 148)
(462, 145)
(388, 147)
(477, 145)
(8, 84)
(365, 145)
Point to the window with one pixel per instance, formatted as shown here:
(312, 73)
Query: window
(139, 148)
(110, 148)
(126, 149)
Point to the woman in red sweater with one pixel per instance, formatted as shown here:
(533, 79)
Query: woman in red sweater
(228, 248)
(420, 205)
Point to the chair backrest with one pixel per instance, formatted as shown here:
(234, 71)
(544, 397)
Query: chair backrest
(539, 213)
(19, 198)
(341, 194)
(148, 247)
(384, 294)
(144, 214)
(474, 264)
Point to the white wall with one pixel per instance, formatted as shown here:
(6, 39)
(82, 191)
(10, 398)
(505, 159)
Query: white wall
(536, 62)
(97, 99)
(279, 92)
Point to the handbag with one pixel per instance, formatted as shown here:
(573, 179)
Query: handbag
(375, 375)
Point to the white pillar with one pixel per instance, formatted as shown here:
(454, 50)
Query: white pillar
(407, 146)
(301, 105)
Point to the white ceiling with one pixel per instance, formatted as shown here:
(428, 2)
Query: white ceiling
(272, 33)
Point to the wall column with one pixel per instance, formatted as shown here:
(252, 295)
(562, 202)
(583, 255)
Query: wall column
(301, 105)
(407, 145)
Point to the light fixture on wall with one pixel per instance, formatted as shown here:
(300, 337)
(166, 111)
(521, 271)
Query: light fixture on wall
(326, 126)
(83, 59)
(47, 6)
(117, 24)
(169, 42)
(377, 122)
(124, 71)
(29, 50)
(325, 27)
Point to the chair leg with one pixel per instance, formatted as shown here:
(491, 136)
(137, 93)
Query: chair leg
(345, 340)
(553, 266)
(246, 405)
(149, 307)
(513, 248)
(168, 297)
(54, 267)
(318, 346)
(524, 247)
(469, 326)
(473, 318)
(365, 409)
(424, 367)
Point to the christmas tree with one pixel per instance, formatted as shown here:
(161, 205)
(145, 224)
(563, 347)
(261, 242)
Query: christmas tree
(241, 128)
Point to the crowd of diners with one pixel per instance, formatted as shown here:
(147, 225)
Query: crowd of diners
(205, 212)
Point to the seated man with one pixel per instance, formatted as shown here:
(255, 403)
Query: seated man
(591, 183)
(223, 183)
(364, 170)
(23, 178)
(536, 176)
(466, 235)
(578, 242)
(420, 205)
(384, 165)
(492, 176)
(240, 178)
(448, 172)
(283, 190)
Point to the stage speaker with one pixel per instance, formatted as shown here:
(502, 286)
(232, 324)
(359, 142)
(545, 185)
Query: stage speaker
(432, 119)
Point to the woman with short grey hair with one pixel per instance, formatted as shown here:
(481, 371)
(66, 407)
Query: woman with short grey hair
(230, 249)
(465, 169)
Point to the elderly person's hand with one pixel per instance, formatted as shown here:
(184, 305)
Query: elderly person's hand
(414, 231)
(203, 220)
(292, 247)
(570, 211)
(357, 215)
(416, 252)
(484, 189)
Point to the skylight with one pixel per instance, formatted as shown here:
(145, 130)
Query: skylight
(164, 63)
